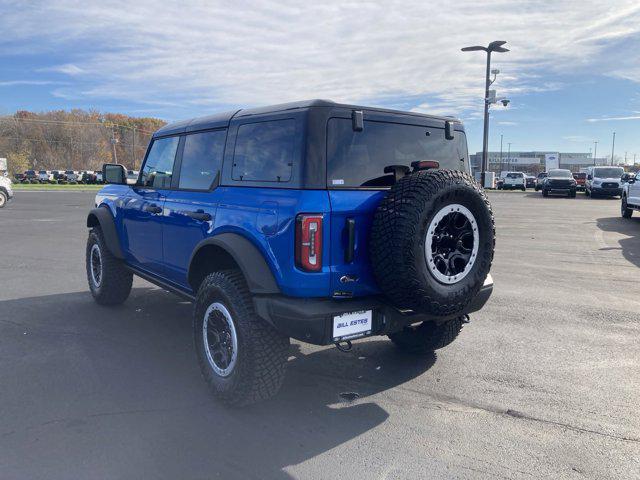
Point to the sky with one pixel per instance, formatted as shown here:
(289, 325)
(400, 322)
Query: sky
(572, 73)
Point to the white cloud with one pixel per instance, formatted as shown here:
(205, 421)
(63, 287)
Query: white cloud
(507, 124)
(614, 119)
(213, 54)
(67, 69)
(14, 83)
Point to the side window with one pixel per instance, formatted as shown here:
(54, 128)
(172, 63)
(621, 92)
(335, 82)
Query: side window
(264, 151)
(201, 159)
(158, 169)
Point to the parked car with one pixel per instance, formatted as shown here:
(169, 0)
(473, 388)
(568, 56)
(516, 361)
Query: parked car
(514, 180)
(44, 176)
(630, 198)
(19, 177)
(72, 176)
(88, 177)
(540, 179)
(559, 182)
(99, 177)
(604, 181)
(132, 176)
(312, 220)
(530, 181)
(59, 176)
(31, 176)
(6, 190)
(580, 178)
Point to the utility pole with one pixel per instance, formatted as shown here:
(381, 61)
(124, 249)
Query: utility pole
(501, 152)
(496, 46)
(509, 157)
(613, 146)
(595, 151)
(133, 149)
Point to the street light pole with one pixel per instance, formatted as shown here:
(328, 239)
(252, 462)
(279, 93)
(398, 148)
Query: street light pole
(500, 152)
(595, 151)
(613, 146)
(496, 46)
(509, 157)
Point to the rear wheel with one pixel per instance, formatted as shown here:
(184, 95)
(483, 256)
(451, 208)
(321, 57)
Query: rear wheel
(427, 337)
(545, 193)
(241, 356)
(625, 211)
(572, 194)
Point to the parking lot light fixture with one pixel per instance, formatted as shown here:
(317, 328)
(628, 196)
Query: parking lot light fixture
(495, 46)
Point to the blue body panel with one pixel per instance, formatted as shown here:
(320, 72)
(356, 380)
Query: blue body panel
(359, 205)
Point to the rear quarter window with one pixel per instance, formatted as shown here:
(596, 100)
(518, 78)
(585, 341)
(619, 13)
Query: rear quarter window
(264, 151)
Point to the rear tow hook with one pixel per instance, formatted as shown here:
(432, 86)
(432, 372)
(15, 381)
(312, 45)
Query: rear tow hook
(344, 348)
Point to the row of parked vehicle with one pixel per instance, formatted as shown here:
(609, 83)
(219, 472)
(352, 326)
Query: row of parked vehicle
(87, 177)
(595, 182)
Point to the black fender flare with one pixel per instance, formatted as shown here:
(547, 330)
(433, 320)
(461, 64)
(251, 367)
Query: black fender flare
(103, 218)
(254, 267)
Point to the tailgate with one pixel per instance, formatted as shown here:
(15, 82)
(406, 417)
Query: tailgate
(352, 277)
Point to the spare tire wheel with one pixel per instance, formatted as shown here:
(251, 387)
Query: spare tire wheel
(432, 241)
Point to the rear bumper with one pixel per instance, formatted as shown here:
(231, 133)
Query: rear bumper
(311, 319)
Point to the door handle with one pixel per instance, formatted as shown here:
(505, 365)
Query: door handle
(152, 208)
(199, 215)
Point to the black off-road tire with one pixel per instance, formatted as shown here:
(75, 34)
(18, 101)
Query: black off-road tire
(399, 234)
(524, 189)
(545, 193)
(427, 337)
(262, 351)
(115, 280)
(572, 194)
(3, 199)
(625, 211)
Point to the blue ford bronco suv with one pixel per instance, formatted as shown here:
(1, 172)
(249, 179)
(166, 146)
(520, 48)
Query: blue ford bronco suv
(313, 220)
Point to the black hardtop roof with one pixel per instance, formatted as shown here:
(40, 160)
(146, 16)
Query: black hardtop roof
(222, 119)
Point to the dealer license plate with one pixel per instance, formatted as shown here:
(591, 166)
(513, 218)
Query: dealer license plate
(352, 325)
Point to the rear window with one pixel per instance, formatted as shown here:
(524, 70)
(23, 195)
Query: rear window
(358, 159)
(579, 176)
(515, 175)
(264, 151)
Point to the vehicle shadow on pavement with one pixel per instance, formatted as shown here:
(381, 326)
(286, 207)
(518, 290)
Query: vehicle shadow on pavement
(630, 246)
(94, 392)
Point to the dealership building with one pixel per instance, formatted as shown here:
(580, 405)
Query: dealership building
(534, 162)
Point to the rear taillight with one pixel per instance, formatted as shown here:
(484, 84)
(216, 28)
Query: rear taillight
(309, 242)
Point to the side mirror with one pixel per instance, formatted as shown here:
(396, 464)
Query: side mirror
(114, 173)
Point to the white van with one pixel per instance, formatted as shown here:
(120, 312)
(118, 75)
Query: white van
(603, 181)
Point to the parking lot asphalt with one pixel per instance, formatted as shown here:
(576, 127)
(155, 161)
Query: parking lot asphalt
(543, 383)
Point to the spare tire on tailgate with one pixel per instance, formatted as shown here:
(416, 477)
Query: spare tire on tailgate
(432, 241)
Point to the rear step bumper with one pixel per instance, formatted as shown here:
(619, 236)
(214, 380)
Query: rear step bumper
(311, 319)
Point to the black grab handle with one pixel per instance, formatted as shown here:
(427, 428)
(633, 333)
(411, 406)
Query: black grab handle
(351, 240)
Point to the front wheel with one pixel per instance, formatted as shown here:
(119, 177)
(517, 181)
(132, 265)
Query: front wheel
(545, 193)
(3, 199)
(109, 280)
(241, 356)
(427, 337)
(625, 211)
